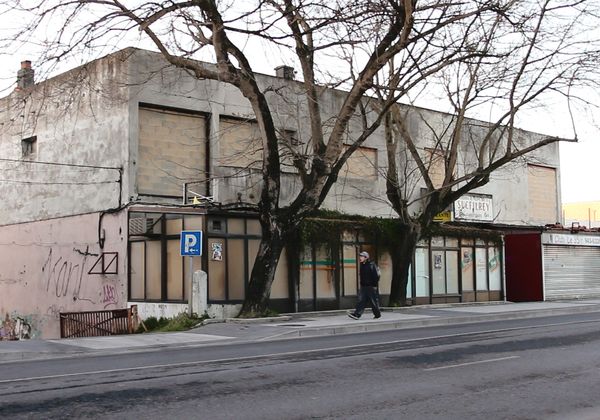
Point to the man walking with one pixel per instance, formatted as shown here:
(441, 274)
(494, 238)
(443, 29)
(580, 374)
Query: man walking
(368, 287)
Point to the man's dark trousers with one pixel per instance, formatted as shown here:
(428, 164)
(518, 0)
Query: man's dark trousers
(367, 294)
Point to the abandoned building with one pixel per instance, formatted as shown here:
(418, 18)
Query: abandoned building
(104, 166)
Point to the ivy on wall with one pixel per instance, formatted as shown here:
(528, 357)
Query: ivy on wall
(327, 227)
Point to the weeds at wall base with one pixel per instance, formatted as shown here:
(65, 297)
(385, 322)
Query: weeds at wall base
(181, 322)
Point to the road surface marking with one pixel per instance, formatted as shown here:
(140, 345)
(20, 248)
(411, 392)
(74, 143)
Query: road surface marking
(289, 353)
(473, 363)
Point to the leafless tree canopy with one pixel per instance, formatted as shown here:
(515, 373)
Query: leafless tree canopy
(504, 55)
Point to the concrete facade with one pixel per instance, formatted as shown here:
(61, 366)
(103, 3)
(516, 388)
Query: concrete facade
(95, 155)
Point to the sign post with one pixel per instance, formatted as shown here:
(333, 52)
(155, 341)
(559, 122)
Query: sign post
(191, 246)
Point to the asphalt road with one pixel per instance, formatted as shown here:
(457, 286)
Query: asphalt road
(542, 368)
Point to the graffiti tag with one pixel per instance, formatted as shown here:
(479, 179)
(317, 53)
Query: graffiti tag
(63, 277)
(109, 293)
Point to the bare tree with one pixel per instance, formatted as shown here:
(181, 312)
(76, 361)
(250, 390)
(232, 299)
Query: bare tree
(419, 39)
(530, 54)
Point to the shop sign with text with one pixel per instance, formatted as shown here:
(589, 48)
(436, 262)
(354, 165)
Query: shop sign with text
(474, 207)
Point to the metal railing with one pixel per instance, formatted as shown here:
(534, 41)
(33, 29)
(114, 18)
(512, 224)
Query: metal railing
(98, 323)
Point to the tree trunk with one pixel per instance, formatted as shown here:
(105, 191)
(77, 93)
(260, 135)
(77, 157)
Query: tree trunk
(402, 256)
(258, 291)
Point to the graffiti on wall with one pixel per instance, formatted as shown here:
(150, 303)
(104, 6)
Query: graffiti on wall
(15, 328)
(109, 295)
(65, 278)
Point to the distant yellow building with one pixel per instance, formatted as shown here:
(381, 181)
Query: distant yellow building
(586, 213)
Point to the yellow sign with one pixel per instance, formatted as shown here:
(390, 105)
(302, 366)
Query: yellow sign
(445, 216)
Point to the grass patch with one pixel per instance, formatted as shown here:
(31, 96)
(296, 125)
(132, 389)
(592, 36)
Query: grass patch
(181, 322)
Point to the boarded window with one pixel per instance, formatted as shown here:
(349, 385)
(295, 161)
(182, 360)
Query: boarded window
(435, 163)
(240, 144)
(361, 164)
(172, 150)
(542, 194)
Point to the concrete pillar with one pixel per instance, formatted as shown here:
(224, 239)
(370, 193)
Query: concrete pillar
(200, 293)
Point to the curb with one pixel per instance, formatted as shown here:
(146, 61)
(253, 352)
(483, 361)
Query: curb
(410, 308)
(359, 327)
(265, 320)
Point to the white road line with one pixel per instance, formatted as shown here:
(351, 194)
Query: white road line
(473, 363)
(290, 353)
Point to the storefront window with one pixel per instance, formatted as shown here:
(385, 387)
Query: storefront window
(439, 272)
(451, 242)
(437, 241)
(452, 272)
(422, 272)
(137, 270)
(236, 274)
(350, 270)
(280, 287)
(253, 227)
(466, 264)
(216, 269)
(324, 273)
(494, 265)
(153, 270)
(175, 271)
(174, 224)
(306, 289)
(157, 271)
(481, 280)
(235, 226)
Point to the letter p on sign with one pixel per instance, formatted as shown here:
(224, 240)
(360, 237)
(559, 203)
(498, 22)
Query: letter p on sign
(191, 243)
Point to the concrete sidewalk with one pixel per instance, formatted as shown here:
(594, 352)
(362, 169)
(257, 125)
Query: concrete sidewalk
(306, 324)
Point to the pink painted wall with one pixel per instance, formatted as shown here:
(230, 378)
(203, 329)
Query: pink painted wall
(44, 270)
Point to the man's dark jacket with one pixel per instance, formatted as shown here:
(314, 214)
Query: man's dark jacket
(368, 274)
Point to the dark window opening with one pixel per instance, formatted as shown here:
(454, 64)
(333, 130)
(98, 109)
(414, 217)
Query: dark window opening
(28, 146)
(216, 225)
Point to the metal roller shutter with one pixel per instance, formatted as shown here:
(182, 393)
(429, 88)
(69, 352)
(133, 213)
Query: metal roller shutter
(571, 272)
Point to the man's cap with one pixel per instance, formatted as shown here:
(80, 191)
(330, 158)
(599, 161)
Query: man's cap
(364, 254)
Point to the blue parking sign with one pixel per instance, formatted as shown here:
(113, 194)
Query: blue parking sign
(191, 243)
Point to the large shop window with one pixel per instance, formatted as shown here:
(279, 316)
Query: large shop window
(157, 272)
(232, 248)
(467, 269)
(444, 270)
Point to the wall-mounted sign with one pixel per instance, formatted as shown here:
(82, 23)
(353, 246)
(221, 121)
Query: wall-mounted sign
(577, 239)
(445, 216)
(474, 207)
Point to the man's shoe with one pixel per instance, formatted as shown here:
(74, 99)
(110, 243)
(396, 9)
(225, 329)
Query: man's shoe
(353, 315)
(377, 317)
